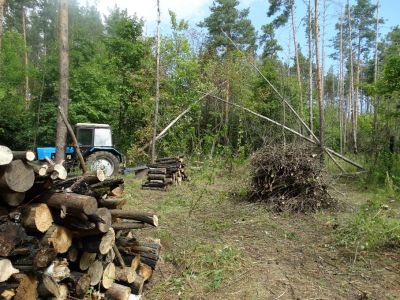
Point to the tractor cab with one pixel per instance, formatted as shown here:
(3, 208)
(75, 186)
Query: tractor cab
(95, 141)
(93, 135)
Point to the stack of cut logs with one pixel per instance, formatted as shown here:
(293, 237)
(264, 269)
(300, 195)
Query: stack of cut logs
(68, 238)
(165, 171)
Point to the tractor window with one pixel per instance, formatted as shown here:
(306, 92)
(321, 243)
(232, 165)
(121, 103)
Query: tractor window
(85, 137)
(102, 137)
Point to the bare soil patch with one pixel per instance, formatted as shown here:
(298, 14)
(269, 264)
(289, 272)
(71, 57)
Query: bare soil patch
(216, 246)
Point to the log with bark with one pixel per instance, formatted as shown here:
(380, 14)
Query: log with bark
(60, 238)
(148, 218)
(24, 155)
(164, 172)
(70, 202)
(37, 217)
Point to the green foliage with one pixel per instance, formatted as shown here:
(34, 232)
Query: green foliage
(372, 227)
(268, 40)
(226, 18)
(13, 117)
(284, 7)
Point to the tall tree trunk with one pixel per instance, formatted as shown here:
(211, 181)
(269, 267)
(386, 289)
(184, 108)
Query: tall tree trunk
(153, 144)
(357, 98)
(296, 54)
(61, 138)
(27, 94)
(319, 84)
(2, 3)
(323, 51)
(226, 108)
(376, 42)
(376, 102)
(289, 54)
(352, 100)
(310, 68)
(341, 88)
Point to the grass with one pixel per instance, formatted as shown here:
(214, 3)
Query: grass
(218, 246)
(374, 225)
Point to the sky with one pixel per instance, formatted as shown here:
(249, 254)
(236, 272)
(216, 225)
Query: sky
(196, 10)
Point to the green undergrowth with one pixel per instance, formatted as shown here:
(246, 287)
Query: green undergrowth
(374, 225)
(374, 222)
(206, 228)
(194, 218)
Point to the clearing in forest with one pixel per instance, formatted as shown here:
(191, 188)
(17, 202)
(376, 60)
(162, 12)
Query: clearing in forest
(218, 246)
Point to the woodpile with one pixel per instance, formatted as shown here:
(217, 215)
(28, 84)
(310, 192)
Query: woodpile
(290, 178)
(165, 171)
(69, 238)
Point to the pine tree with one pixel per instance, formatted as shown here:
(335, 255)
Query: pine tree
(227, 22)
(61, 137)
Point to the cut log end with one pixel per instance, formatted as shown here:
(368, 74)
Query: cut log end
(16, 177)
(37, 217)
(6, 269)
(108, 276)
(6, 155)
(117, 292)
(86, 260)
(24, 155)
(95, 272)
(60, 237)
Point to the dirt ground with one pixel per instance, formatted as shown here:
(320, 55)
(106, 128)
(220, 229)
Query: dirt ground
(217, 246)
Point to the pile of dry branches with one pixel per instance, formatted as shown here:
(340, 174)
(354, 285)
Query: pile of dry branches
(290, 177)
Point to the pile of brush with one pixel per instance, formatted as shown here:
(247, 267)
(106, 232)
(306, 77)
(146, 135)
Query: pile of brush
(289, 177)
(69, 238)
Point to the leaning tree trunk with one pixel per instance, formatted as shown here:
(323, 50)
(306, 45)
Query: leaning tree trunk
(296, 54)
(319, 85)
(61, 137)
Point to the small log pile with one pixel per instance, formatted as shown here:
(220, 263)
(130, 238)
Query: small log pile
(165, 171)
(290, 178)
(69, 238)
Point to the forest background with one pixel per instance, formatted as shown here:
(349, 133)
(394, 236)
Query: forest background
(112, 79)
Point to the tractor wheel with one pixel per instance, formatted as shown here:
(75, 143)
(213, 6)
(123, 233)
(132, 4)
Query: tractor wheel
(104, 161)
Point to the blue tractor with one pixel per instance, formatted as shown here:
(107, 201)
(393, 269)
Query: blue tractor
(95, 142)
